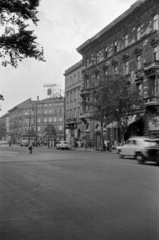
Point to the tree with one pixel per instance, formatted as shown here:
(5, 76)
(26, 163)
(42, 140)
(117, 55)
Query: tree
(17, 41)
(1, 97)
(115, 99)
(50, 130)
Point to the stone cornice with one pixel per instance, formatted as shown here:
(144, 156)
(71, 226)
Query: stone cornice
(131, 12)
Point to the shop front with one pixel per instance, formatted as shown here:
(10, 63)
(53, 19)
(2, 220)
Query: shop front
(154, 127)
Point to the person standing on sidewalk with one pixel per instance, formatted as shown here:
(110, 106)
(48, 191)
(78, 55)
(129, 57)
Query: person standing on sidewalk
(30, 146)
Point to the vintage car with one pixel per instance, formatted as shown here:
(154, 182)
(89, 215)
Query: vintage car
(24, 142)
(141, 148)
(3, 142)
(63, 145)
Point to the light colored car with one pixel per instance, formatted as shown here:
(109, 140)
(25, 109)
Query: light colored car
(24, 142)
(63, 145)
(136, 147)
(3, 142)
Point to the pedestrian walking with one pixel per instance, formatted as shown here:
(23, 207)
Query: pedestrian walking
(30, 147)
(86, 145)
(10, 143)
(106, 145)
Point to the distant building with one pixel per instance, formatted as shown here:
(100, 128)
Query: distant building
(4, 127)
(30, 118)
(73, 123)
(128, 46)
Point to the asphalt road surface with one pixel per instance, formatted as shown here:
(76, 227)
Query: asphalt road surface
(79, 195)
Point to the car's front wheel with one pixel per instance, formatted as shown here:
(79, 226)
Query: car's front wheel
(140, 158)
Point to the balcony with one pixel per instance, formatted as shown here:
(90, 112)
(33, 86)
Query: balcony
(152, 101)
(85, 92)
(85, 115)
(71, 120)
(151, 68)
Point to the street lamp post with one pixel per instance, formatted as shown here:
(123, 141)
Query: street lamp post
(15, 122)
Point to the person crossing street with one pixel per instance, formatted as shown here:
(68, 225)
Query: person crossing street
(30, 146)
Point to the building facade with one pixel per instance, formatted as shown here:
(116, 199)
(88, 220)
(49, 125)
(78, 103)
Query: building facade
(128, 46)
(73, 123)
(4, 127)
(50, 111)
(30, 118)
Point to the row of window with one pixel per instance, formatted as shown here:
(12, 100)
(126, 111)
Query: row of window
(45, 111)
(139, 62)
(126, 40)
(73, 113)
(33, 120)
(50, 104)
(73, 95)
(51, 119)
(60, 128)
(73, 79)
(49, 111)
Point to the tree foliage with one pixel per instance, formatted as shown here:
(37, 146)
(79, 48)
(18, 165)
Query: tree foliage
(50, 130)
(1, 97)
(17, 41)
(115, 100)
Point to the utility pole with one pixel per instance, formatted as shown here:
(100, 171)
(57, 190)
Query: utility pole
(93, 112)
(36, 127)
(64, 117)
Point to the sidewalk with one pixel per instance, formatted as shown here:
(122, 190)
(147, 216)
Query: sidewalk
(93, 150)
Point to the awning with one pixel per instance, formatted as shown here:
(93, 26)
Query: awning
(113, 125)
(131, 119)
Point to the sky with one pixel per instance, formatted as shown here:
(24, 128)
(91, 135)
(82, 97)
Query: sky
(64, 25)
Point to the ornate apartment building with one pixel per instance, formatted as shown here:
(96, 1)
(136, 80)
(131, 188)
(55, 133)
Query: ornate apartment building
(128, 46)
(4, 127)
(73, 123)
(36, 115)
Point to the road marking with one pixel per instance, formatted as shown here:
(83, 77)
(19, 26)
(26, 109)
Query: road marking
(8, 153)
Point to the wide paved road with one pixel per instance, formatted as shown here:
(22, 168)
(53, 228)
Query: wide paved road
(79, 195)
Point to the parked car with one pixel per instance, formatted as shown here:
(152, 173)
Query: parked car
(3, 142)
(141, 148)
(63, 145)
(24, 142)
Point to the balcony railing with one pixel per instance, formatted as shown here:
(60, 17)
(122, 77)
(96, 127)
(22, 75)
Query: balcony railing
(85, 91)
(152, 101)
(85, 115)
(71, 120)
(149, 65)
